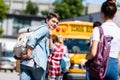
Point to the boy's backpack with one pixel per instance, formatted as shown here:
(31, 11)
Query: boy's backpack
(65, 62)
(97, 66)
(20, 47)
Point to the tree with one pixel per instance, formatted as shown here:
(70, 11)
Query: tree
(1, 30)
(31, 8)
(45, 12)
(69, 8)
(3, 10)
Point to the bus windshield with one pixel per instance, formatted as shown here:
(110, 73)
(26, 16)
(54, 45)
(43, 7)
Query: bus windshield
(76, 45)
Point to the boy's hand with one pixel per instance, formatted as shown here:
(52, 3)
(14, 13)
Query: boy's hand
(17, 58)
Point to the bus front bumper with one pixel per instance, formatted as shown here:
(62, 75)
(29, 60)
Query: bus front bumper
(74, 76)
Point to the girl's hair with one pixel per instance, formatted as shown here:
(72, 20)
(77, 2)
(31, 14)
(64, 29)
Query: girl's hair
(109, 9)
(112, 1)
(58, 38)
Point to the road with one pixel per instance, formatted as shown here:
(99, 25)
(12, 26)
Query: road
(9, 75)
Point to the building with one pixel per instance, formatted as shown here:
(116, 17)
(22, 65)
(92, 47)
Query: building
(14, 22)
(17, 6)
(95, 17)
(92, 8)
(16, 19)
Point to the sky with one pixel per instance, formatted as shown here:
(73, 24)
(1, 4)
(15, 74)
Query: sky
(96, 2)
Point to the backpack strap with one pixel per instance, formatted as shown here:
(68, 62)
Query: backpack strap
(101, 33)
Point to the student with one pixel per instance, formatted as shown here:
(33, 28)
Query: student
(116, 20)
(57, 50)
(38, 50)
(108, 11)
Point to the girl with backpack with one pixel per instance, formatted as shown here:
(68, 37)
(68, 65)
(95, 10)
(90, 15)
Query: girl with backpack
(57, 50)
(108, 11)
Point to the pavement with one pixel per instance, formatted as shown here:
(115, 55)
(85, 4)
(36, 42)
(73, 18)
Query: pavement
(9, 75)
(15, 76)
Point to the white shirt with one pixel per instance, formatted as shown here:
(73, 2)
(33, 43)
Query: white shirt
(113, 30)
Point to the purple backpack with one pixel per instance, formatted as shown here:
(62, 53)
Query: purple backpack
(98, 65)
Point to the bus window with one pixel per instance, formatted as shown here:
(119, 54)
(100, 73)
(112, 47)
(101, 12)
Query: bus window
(76, 45)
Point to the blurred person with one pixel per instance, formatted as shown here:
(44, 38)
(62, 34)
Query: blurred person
(108, 11)
(57, 49)
(96, 24)
(38, 50)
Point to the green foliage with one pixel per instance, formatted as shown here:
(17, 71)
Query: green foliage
(1, 30)
(45, 13)
(31, 8)
(3, 10)
(69, 8)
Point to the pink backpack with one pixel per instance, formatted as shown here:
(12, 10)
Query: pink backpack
(98, 65)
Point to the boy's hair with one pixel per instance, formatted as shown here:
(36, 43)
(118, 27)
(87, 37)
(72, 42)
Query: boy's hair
(109, 9)
(53, 15)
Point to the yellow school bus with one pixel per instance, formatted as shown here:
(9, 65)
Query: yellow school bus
(76, 35)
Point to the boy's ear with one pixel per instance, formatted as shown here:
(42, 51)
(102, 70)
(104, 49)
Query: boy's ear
(46, 20)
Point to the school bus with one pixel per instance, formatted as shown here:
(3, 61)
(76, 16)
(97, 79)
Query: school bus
(76, 35)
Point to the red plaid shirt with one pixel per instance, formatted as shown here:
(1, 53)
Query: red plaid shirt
(54, 61)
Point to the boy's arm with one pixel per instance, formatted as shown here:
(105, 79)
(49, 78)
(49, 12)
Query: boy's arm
(29, 52)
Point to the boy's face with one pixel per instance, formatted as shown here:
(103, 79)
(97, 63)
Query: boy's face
(52, 23)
